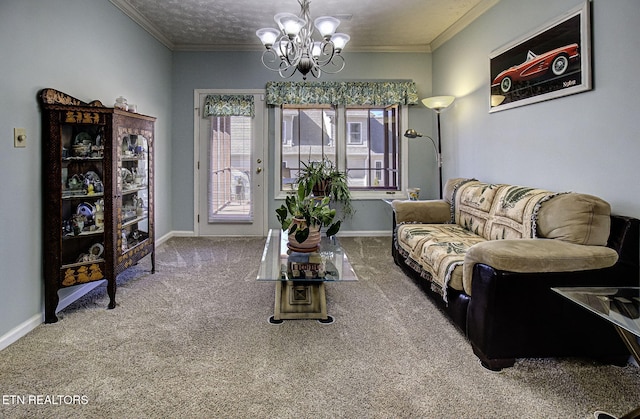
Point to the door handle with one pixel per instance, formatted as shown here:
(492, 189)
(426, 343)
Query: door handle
(259, 170)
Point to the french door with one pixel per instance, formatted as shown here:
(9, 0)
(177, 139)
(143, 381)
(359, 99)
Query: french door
(230, 163)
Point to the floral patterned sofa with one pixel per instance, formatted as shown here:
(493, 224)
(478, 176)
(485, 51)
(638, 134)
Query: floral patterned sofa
(489, 255)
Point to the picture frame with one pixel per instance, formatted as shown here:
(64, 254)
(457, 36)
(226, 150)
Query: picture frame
(552, 61)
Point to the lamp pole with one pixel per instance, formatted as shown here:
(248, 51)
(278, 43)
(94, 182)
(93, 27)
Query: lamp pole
(439, 153)
(438, 103)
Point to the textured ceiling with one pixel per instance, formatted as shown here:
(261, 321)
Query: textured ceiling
(375, 25)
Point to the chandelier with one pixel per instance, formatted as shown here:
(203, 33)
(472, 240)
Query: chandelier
(293, 48)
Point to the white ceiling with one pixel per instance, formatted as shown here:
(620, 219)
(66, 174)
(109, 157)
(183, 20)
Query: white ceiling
(375, 25)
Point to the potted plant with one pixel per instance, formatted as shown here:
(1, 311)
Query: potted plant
(302, 215)
(324, 179)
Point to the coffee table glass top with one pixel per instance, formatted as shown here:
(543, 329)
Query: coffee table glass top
(621, 306)
(328, 264)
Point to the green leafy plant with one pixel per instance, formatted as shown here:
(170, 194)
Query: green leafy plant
(310, 211)
(324, 179)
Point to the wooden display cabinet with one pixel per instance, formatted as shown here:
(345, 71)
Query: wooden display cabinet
(98, 193)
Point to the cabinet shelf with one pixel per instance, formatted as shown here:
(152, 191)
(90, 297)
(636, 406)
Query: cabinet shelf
(71, 195)
(84, 233)
(79, 264)
(132, 221)
(81, 159)
(134, 190)
(133, 158)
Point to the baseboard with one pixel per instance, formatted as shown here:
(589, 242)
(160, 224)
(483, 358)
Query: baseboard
(179, 233)
(342, 233)
(364, 233)
(21, 330)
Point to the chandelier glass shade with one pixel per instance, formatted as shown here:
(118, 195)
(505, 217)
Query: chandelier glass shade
(292, 47)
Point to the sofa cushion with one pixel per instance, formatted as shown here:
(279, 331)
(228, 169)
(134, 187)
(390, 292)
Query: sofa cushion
(428, 212)
(497, 211)
(575, 218)
(437, 251)
(536, 255)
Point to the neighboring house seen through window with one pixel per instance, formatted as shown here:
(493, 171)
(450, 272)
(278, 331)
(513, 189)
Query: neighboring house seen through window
(364, 142)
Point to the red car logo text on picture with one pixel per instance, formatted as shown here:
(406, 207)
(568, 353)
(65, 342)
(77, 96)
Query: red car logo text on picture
(554, 63)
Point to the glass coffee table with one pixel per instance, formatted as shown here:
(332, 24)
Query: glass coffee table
(620, 306)
(300, 277)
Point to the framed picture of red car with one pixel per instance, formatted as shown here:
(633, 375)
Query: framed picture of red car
(550, 62)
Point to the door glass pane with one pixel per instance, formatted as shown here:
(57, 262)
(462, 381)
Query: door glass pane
(229, 185)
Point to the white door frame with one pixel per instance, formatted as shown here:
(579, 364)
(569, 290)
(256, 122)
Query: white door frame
(197, 115)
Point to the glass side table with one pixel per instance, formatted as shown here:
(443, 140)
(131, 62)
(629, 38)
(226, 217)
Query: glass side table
(620, 307)
(300, 277)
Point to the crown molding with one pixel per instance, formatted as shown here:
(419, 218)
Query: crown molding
(259, 48)
(462, 23)
(133, 13)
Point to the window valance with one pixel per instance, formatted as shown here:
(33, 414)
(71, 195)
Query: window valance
(229, 105)
(342, 93)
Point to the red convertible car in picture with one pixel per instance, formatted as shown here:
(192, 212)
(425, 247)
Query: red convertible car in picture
(555, 61)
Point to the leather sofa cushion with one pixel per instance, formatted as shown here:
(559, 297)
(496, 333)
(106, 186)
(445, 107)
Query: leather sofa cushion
(575, 218)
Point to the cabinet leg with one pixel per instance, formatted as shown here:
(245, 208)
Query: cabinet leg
(50, 305)
(111, 290)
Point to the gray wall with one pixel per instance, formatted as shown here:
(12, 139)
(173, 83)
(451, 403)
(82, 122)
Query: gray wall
(90, 50)
(243, 70)
(588, 142)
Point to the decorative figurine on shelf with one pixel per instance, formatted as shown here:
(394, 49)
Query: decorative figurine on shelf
(99, 216)
(77, 221)
(121, 103)
(138, 203)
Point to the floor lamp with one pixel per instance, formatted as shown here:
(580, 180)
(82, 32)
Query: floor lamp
(438, 104)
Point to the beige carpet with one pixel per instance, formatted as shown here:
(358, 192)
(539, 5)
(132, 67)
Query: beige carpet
(193, 341)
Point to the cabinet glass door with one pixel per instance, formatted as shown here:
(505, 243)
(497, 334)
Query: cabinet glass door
(134, 177)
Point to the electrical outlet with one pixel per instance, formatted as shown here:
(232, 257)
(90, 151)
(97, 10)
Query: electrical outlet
(19, 137)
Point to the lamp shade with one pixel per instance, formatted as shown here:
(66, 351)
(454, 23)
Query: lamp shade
(496, 100)
(326, 25)
(289, 23)
(411, 133)
(438, 103)
(340, 40)
(267, 36)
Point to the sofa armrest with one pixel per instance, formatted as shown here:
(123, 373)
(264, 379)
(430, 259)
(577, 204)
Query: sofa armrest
(535, 255)
(428, 212)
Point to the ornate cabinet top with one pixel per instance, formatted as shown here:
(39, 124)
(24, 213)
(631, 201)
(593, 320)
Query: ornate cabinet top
(56, 97)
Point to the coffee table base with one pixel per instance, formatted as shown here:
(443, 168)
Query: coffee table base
(298, 300)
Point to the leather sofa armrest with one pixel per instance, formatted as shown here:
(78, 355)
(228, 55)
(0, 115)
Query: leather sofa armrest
(535, 255)
(428, 212)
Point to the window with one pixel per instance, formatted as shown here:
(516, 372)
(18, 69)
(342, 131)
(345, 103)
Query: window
(373, 163)
(312, 135)
(365, 142)
(354, 133)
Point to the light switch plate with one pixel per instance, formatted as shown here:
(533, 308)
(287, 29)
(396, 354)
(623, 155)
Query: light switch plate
(19, 137)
